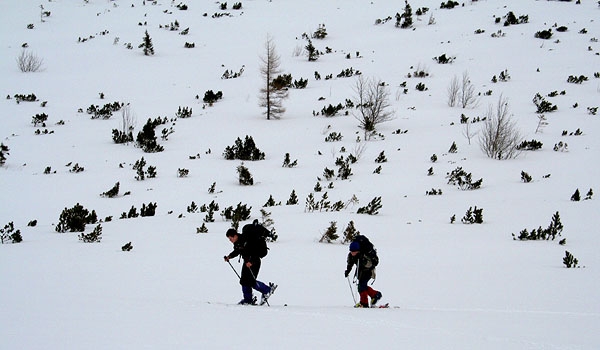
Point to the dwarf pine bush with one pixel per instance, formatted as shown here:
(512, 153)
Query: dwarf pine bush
(113, 192)
(372, 208)
(569, 260)
(350, 233)
(75, 219)
(93, 237)
(554, 229)
(243, 150)
(463, 179)
(244, 176)
(3, 153)
(8, 234)
(330, 234)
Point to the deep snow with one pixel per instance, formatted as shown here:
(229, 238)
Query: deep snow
(451, 286)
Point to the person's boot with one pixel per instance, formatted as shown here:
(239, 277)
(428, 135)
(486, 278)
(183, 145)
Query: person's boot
(375, 298)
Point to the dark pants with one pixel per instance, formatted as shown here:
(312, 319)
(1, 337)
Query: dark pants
(248, 280)
(364, 290)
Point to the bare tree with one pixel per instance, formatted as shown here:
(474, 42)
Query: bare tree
(453, 90)
(467, 92)
(29, 62)
(128, 120)
(468, 131)
(499, 136)
(271, 95)
(372, 104)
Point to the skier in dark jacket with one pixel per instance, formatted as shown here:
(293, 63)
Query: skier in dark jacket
(365, 258)
(249, 250)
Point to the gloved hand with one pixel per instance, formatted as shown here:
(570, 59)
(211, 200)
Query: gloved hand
(226, 258)
(346, 273)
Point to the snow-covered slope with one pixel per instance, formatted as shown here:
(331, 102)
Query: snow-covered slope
(451, 286)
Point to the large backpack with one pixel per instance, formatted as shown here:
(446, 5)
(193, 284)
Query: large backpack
(257, 234)
(367, 248)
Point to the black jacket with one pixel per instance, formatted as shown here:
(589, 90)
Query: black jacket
(245, 247)
(365, 266)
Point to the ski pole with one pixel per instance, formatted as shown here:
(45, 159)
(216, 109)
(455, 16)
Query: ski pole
(234, 270)
(351, 290)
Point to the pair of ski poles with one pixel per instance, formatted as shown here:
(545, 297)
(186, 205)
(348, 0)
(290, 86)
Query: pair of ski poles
(347, 277)
(239, 277)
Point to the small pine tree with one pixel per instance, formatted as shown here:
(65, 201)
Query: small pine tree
(9, 235)
(146, 139)
(310, 203)
(267, 222)
(576, 197)
(405, 20)
(113, 192)
(75, 219)
(350, 232)
(146, 45)
(148, 210)
(555, 228)
(202, 229)
(372, 208)
(381, 158)
(330, 234)
(569, 260)
(293, 200)
(192, 208)
(473, 216)
(287, 163)
(212, 188)
(270, 202)
(589, 194)
(244, 176)
(93, 237)
(453, 148)
(3, 153)
(313, 53)
(318, 187)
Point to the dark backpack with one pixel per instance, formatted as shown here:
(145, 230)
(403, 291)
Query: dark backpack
(257, 234)
(367, 248)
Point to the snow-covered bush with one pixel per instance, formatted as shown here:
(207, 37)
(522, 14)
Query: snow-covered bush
(463, 180)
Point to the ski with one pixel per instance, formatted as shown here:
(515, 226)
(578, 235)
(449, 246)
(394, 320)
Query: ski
(382, 306)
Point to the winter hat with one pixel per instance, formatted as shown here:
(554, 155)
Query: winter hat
(354, 247)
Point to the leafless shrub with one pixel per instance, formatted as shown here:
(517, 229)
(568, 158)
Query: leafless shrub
(468, 98)
(372, 104)
(28, 61)
(453, 90)
(499, 136)
(359, 150)
(468, 131)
